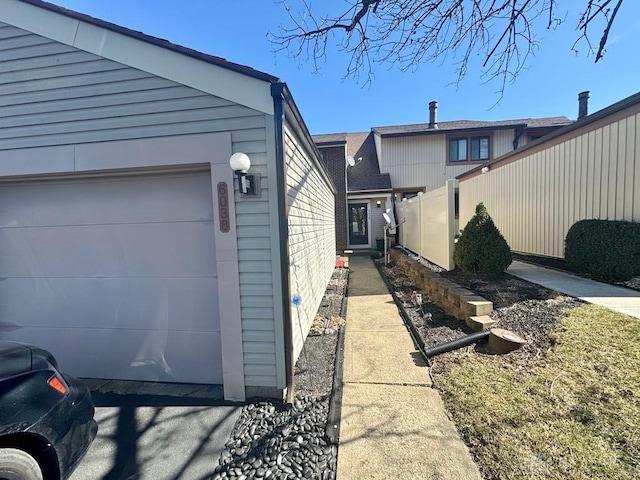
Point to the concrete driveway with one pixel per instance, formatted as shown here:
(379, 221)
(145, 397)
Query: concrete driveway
(156, 437)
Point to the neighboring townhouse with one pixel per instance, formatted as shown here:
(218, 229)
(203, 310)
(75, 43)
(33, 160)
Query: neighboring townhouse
(589, 169)
(421, 157)
(372, 170)
(363, 193)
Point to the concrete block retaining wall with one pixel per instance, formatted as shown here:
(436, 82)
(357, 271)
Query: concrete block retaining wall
(452, 298)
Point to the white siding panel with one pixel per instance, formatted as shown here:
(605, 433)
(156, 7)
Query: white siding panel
(311, 235)
(54, 94)
(591, 175)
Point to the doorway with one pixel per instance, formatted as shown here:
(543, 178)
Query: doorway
(358, 224)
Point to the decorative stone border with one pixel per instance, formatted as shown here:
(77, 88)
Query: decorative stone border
(452, 298)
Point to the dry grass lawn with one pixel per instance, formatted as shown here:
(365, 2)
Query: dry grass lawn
(572, 414)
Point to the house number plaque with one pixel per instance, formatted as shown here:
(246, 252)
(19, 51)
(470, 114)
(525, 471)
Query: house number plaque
(223, 207)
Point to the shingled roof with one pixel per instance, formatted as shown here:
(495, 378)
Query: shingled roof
(443, 127)
(365, 174)
(330, 139)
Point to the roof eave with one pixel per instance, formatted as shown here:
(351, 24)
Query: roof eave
(436, 131)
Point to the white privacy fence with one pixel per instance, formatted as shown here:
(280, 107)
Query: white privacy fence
(428, 225)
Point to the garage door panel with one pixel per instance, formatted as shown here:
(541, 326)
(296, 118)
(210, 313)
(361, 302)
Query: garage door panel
(160, 198)
(116, 276)
(146, 250)
(130, 303)
(184, 357)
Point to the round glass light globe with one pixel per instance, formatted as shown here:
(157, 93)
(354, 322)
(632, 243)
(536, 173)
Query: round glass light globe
(240, 161)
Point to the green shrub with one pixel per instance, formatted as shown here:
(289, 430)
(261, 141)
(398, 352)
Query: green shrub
(481, 247)
(606, 250)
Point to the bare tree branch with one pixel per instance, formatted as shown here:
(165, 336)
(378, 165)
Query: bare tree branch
(409, 33)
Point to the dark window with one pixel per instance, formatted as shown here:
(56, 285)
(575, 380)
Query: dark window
(479, 148)
(474, 149)
(458, 150)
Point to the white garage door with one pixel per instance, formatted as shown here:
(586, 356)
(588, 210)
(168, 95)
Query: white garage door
(115, 275)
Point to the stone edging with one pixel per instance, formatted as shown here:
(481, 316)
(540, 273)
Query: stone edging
(451, 297)
(332, 430)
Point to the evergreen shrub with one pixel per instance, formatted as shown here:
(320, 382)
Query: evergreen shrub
(481, 247)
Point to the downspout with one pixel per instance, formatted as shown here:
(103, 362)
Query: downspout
(277, 92)
(518, 132)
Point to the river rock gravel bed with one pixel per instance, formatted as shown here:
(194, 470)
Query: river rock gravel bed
(272, 440)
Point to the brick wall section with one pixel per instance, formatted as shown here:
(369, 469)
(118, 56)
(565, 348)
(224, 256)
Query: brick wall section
(334, 159)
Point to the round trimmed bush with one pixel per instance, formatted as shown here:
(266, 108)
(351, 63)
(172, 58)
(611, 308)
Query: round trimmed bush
(606, 250)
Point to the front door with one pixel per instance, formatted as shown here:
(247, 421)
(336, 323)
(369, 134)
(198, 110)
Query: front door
(358, 224)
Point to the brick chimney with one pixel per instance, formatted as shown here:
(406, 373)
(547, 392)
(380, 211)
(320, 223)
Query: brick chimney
(583, 104)
(433, 114)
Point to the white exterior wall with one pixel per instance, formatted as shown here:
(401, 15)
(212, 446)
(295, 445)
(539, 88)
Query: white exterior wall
(57, 95)
(420, 161)
(311, 222)
(593, 172)
(429, 226)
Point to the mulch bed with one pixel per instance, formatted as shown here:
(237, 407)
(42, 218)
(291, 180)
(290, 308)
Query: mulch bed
(524, 308)
(314, 368)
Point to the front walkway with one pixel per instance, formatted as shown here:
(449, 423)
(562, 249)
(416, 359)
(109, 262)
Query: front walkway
(393, 425)
(620, 299)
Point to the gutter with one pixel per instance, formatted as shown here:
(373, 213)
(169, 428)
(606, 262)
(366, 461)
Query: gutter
(444, 131)
(278, 94)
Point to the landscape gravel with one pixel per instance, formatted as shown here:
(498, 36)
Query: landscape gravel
(272, 440)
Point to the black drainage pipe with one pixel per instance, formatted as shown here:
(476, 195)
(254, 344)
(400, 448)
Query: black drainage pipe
(458, 343)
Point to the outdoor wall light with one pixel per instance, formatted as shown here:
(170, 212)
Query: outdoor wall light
(240, 163)
(378, 203)
(485, 169)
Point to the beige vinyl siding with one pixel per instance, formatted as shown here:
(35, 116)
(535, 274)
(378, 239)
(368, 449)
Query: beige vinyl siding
(420, 161)
(502, 142)
(53, 94)
(536, 199)
(311, 235)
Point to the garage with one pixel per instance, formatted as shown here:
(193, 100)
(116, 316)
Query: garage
(115, 273)
(130, 246)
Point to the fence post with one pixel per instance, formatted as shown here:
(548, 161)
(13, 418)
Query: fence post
(451, 220)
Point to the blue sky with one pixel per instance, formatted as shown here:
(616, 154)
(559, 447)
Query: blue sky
(237, 30)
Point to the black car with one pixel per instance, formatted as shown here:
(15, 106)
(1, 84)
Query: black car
(46, 417)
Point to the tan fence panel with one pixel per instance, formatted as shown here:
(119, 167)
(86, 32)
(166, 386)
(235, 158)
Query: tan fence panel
(534, 200)
(429, 225)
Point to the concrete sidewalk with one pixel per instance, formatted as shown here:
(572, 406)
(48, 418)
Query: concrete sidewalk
(393, 425)
(620, 299)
